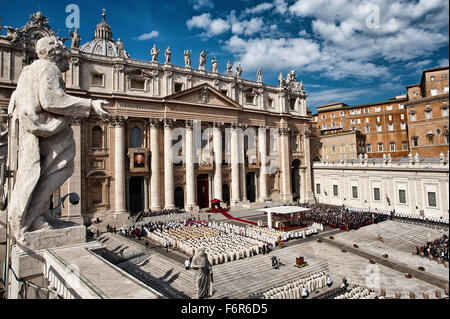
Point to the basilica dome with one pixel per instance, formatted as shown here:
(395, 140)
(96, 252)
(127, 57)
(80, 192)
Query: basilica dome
(103, 43)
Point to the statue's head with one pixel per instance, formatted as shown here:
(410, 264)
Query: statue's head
(52, 49)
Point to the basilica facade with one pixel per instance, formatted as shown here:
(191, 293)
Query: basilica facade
(178, 136)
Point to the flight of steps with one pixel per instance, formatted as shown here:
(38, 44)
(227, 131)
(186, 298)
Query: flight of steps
(120, 247)
(237, 279)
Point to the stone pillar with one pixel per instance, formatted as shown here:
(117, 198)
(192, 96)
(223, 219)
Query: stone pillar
(168, 166)
(234, 166)
(285, 188)
(119, 164)
(217, 140)
(242, 164)
(263, 175)
(303, 190)
(155, 197)
(309, 193)
(74, 182)
(190, 171)
(146, 206)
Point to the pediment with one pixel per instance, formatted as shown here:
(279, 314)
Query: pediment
(203, 95)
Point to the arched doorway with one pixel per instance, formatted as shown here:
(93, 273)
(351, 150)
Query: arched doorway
(295, 176)
(179, 197)
(226, 193)
(136, 195)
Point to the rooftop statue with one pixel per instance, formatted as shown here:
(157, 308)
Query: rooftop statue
(167, 54)
(154, 52)
(229, 69)
(120, 48)
(76, 39)
(281, 80)
(238, 71)
(214, 65)
(42, 143)
(202, 59)
(259, 76)
(187, 58)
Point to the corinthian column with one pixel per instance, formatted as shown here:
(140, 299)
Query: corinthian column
(74, 182)
(119, 164)
(234, 166)
(155, 169)
(217, 140)
(262, 146)
(286, 194)
(190, 172)
(168, 166)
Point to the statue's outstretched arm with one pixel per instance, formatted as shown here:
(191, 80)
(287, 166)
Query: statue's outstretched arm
(54, 99)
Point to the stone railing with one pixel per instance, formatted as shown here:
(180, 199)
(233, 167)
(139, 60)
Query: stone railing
(386, 162)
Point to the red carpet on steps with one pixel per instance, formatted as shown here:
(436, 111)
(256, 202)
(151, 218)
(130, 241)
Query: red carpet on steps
(224, 213)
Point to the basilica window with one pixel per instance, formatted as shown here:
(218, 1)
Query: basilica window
(179, 87)
(376, 194)
(402, 196)
(380, 147)
(432, 199)
(392, 146)
(415, 141)
(355, 191)
(97, 193)
(137, 84)
(97, 137)
(249, 99)
(98, 79)
(318, 189)
(335, 190)
(270, 104)
(135, 137)
(369, 148)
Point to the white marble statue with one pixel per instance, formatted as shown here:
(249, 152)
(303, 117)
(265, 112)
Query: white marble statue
(202, 60)
(120, 48)
(76, 39)
(154, 52)
(259, 76)
(214, 65)
(44, 148)
(281, 80)
(168, 54)
(204, 276)
(229, 69)
(238, 71)
(187, 58)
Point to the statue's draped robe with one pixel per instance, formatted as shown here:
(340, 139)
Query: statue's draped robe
(203, 277)
(45, 148)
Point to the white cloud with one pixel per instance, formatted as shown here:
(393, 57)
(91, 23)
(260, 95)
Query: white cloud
(443, 62)
(212, 26)
(200, 4)
(344, 95)
(147, 36)
(281, 6)
(259, 8)
(247, 27)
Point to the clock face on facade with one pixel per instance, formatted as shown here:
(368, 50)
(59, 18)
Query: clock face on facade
(35, 34)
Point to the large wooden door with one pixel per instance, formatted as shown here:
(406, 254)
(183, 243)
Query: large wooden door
(203, 191)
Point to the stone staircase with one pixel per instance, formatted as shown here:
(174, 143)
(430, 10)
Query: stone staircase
(236, 280)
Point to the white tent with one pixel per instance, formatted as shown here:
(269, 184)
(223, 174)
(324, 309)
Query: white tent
(281, 210)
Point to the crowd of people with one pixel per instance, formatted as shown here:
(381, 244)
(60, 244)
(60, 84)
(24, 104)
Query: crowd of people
(413, 218)
(189, 235)
(340, 217)
(162, 212)
(358, 292)
(300, 288)
(437, 248)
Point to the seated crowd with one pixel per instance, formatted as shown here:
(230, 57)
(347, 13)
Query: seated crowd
(358, 292)
(162, 212)
(437, 248)
(189, 235)
(272, 235)
(300, 288)
(412, 218)
(339, 217)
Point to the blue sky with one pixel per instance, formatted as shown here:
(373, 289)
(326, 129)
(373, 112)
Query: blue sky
(343, 50)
